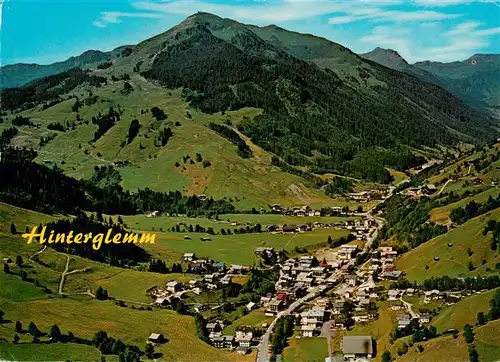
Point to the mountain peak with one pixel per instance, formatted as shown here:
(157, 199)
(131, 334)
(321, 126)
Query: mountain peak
(387, 57)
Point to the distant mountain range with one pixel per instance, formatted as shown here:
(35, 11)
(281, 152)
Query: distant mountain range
(325, 109)
(16, 75)
(476, 80)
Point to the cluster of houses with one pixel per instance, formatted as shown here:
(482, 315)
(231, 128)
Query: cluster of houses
(368, 195)
(240, 343)
(425, 190)
(215, 275)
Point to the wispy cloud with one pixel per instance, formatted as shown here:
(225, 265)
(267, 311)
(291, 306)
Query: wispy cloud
(113, 17)
(444, 3)
(395, 16)
(459, 43)
(257, 12)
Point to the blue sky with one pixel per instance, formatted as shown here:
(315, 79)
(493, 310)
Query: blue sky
(45, 31)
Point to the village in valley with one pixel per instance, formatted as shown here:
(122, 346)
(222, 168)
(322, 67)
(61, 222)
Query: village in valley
(325, 293)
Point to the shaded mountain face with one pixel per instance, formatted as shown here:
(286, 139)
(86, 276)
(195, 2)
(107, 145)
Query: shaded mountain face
(392, 59)
(325, 108)
(17, 75)
(476, 81)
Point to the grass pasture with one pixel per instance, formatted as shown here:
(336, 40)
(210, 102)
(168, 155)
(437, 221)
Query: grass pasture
(441, 214)
(253, 182)
(84, 318)
(306, 349)
(463, 312)
(254, 318)
(453, 260)
(237, 249)
(50, 352)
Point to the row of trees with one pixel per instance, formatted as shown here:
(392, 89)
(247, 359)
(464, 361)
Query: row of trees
(243, 150)
(445, 283)
(472, 209)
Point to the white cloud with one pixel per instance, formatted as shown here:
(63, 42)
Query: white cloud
(464, 28)
(459, 43)
(444, 3)
(99, 24)
(113, 17)
(264, 12)
(395, 16)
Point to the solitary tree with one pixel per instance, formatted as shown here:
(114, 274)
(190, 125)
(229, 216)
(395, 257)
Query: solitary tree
(468, 334)
(481, 318)
(6, 268)
(55, 332)
(386, 356)
(101, 293)
(149, 350)
(19, 327)
(13, 229)
(19, 261)
(33, 330)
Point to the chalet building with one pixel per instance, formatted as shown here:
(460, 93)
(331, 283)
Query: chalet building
(156, 338)
(308, 330)
(244, 338)
(347, 252)
(162, 302)
(275, 305)
(229, 341)
(199, 308)
(424, 317)
(337, 307)
(213, 327)
(189, 256)
(174, 286)
(357, 347)
(218, 342)
(392, 275)
(396, 304)
(404, 320)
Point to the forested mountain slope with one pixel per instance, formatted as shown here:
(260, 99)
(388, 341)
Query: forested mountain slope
(323, 108)
(313, 116)
(474, 80)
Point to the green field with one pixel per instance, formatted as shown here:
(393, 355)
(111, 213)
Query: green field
(84, 318)
(225, 221)
(236, 249)
(254, 318)
(463, 312)
(487, 341)
(453, 260)
(50, 352)
(441, 214)
(306, 350)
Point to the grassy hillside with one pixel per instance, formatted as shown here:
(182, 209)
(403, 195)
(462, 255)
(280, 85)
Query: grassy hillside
(418, 264)
(24, 301)
(464, 312)
(248, 182)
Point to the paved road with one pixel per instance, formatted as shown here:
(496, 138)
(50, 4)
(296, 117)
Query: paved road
(263, 348)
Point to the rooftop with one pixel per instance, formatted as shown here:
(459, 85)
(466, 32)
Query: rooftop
(357, 345)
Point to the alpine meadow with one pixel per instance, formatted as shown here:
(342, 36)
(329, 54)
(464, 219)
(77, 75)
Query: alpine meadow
(231, 192)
